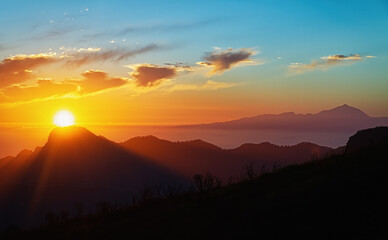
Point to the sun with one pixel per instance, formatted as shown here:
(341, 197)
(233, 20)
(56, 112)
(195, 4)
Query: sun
(64, 118)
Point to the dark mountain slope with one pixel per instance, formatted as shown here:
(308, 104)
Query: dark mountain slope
(73, 166)
(77, 166)
(339, 197)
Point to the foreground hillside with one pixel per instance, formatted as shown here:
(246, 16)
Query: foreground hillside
(339, 197)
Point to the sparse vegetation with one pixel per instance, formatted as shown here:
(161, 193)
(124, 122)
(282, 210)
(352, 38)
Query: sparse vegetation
(207, 182)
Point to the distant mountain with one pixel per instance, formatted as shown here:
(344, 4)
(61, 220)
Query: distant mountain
(342, 118)
(343, 112)
(73, 166)
(197, 156)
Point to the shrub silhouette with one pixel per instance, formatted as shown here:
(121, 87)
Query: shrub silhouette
(276, 166)
(51, 218)
(207, 182)
(79, 210)
(103, 208)
(248, 172)
(63, 216)
(151, 193)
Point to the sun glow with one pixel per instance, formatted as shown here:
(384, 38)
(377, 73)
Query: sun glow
(63, 118)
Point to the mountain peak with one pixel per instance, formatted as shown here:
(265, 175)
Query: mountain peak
(346, 107)
(344, 111)
(70, 133)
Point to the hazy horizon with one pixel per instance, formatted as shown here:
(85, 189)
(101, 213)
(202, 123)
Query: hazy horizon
(36, 135)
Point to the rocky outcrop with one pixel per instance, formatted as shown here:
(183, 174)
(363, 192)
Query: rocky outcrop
(373, 138)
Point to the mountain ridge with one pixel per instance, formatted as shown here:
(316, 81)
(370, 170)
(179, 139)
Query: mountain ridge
(74, 165)
(191, 157)
(339, 118)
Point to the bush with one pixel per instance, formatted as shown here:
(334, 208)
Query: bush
(207, 182)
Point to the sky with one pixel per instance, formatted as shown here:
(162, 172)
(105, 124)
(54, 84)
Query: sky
(183, 62)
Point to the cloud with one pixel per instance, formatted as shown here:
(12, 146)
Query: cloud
(147, 75)
(170, 27)
(208, 86)
(340, 57)
(89, 49)
(179, 65)
(326, 62)
(89, 55)
(18, 68)
(43, 89)
(221, 60)
(96, 80)
(54, 32)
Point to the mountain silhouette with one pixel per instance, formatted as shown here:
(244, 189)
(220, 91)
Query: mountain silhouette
(342, 118)
(76, 152)
(371, 139)
(344, 111)
(73, 166)
(76, 165)
(338, 197)
(197, 156)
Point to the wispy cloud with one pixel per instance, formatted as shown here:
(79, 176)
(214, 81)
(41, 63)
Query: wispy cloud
(168, 27)
(220, 60)
(54, 33)
(92, 82)
(326, 62)
(155, 28)
(43, 89)
(209, 85)
(89, 55)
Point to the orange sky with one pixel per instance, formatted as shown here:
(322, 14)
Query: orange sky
(113, 63)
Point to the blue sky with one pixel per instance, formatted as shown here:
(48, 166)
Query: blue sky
(304, 29)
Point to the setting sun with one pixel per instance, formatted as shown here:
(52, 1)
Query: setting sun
(63, 118)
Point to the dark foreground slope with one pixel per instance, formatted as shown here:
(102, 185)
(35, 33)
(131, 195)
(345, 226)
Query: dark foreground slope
(340, 197)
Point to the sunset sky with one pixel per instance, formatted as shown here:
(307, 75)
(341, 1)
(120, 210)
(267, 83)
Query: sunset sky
(180, 62)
